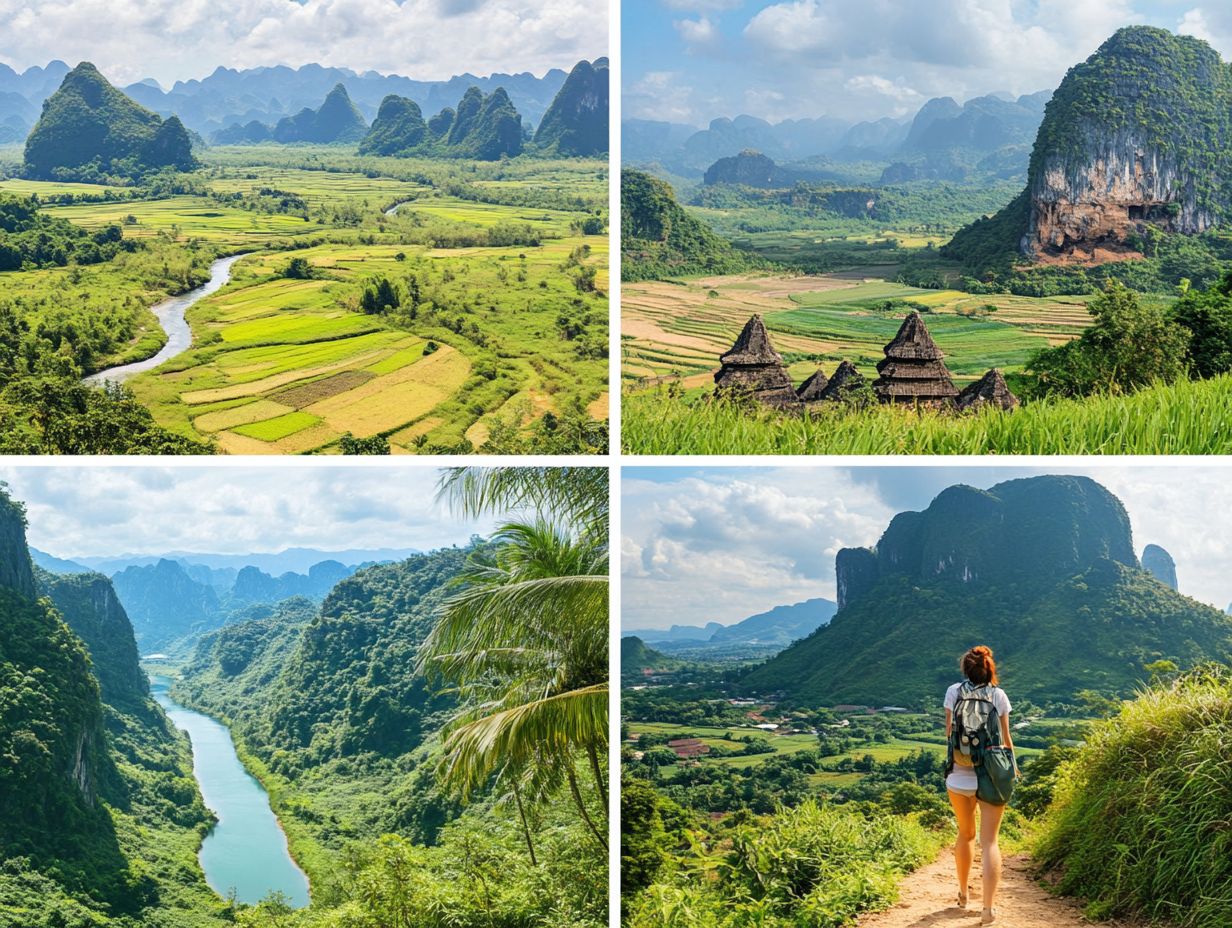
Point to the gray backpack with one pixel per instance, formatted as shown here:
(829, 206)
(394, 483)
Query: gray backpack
(976, 723)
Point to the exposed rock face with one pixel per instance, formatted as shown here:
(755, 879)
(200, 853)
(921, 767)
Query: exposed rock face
(913, 371)
(856, 571)
(1052, 524)
(576, 122)
(1136, 134)
(1160, 565)
(753, 366)
(16, 571)
(989, 390)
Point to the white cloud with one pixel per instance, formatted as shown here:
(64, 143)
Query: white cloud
(724, 544)
(698, 33)
(84, 511)
(723, 547)
(424, 39)
(700, 5)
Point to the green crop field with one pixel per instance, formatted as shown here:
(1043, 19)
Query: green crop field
(499, 315)
(676, 330)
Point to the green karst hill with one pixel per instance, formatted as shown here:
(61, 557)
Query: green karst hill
(399, 126)
(636, 657)
(485, 128)
(1139, 135)
(1042, 570)
(659, 239)
(89, 128)
(576, 122)
(88, 603)
(337, 120)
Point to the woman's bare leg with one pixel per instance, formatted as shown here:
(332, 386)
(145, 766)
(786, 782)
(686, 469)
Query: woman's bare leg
(964, 847)
(990, 827)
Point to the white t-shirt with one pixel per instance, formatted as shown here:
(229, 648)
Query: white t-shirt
(963, 778)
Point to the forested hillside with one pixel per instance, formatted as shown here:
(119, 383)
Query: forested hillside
(101, 815)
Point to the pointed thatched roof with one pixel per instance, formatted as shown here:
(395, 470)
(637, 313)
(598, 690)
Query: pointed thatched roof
(842, 383)
(753, 346)
(913, 342)
(913, 370)
(753, 367)
(812, 388)
(991, 389)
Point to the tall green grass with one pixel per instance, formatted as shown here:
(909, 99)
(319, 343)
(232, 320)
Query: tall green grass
(813, 865)
(1192, 417)
(1140, 823)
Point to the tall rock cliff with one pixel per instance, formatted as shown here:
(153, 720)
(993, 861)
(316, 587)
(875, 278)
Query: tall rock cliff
(1160, 565)
(52, 754)
(1136, 134)
(89, 605)
(576, 122)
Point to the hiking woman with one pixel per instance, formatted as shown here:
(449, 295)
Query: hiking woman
(976, 697)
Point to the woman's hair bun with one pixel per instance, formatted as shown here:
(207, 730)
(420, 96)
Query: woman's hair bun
(978, 665)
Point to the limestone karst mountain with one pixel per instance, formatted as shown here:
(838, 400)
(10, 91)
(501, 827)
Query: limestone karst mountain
(659, 239)
(486, 128)
(576, 124)
(1138, 134)
(164, 604)
(88, 603)
(89, 126)
(337, 120)
(1042, 570)
(399, 127)
(1159, 563)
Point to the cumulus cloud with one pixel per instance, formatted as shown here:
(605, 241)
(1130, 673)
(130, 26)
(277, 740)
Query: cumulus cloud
(425, 39)
(85, 511)
(863, 59)
(723, 544)
(698, 33)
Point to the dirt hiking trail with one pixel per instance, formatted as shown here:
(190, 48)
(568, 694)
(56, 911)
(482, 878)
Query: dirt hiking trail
(928, 899)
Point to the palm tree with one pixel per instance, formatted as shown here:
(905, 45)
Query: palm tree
(525, 640)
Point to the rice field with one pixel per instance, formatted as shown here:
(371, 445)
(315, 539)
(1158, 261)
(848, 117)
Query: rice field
(676, 330)
(282, 365)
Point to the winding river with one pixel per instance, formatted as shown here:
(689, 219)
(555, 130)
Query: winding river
(246, 852)
(170, 315)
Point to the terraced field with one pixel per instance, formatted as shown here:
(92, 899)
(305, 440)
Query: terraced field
(495, 333)
(678, 329)
(289, 366)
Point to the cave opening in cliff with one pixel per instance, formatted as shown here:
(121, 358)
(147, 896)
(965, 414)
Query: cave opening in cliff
(1137, 212)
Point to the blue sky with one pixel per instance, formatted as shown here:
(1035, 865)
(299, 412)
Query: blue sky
(170, 40)
(723, 543)
(693, 60)
(79, 511)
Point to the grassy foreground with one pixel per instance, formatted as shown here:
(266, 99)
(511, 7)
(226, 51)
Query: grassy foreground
(1192, 417)
(1139, 824)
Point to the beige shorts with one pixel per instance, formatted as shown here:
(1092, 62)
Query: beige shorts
(961, 792)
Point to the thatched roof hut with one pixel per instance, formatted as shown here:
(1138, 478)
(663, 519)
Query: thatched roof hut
(991, 389)
(913, 371)
(753, 366)
(843, 382)
(812, 388)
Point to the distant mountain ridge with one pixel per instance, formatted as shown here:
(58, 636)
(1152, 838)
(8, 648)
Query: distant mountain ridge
(296, 560)
(267, 94)
(774, 629)
(943, 140)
